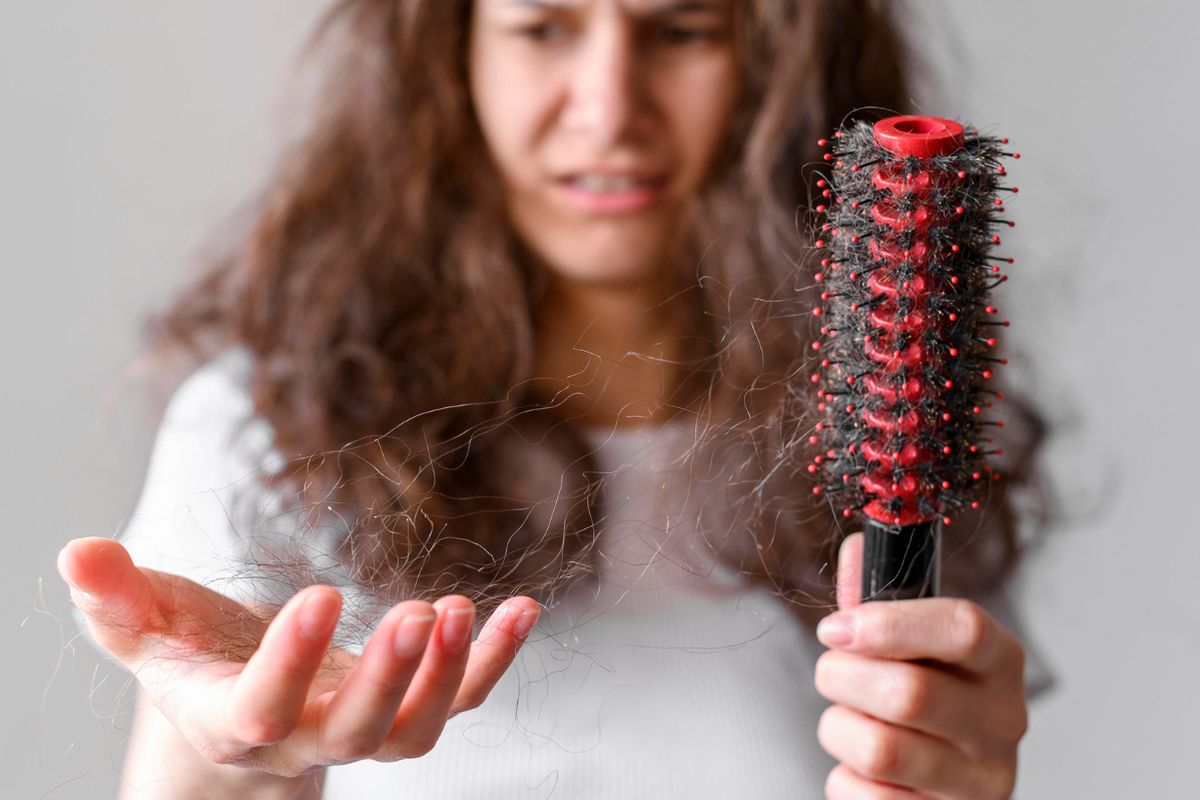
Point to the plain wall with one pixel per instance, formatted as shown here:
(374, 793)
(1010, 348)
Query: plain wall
(132, 129)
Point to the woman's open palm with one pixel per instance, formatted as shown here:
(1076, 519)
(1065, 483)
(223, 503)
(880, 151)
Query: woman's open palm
(272, 694)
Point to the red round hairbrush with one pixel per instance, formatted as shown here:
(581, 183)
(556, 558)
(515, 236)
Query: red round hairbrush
(907, 336)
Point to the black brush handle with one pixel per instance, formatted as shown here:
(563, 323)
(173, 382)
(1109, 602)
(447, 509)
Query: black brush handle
(901, 563)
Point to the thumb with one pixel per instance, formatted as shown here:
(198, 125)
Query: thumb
(116, 596)
(849, 574)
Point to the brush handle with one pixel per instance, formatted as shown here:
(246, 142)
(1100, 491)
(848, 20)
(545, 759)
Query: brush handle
(901, 563)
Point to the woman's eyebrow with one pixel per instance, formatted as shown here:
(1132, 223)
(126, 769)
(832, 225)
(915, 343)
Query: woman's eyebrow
(679, 7)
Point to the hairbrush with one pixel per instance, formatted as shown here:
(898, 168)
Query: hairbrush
(912, 214)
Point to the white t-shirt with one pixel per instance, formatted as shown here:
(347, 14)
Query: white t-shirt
(668, 677)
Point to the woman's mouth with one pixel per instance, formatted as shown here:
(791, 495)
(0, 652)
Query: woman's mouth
(604, 193)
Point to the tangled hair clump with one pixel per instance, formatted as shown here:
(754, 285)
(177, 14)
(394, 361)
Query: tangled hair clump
(389, 311)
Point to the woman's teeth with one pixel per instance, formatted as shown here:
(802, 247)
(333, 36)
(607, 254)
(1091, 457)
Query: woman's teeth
(608, 183)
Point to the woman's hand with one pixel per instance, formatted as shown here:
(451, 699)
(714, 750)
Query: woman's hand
(273, 696)
(929, 696)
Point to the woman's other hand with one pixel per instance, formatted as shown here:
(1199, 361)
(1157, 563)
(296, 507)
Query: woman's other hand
(272, 695)
(928, 694)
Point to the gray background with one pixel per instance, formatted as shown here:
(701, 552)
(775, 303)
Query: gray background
(131, 128)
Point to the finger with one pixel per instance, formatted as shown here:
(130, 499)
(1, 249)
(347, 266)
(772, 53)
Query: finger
(920, 697)
(363, 709)
(844, 783)
(946, 629)
(494, 651)
(849, 575)
(112, 592)
(890, 754)
(269, 694)
(426, 704)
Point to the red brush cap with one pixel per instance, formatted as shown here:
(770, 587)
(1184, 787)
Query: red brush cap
(923, 137)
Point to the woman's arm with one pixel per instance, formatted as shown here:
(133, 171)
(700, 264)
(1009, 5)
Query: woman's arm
(161, 763)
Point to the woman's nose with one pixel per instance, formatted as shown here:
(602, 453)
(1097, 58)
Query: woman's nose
(605, 97)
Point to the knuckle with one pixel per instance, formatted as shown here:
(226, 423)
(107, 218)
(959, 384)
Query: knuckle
(821, 672)
(912, 699)
(224, 753)
(419, 747)
(878, 753)
(999, 781)
(258, 731)
(971, 627)
(1018, 724)
(469, 702)
(351, 748)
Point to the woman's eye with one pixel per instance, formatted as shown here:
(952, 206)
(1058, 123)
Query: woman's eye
(543, 32)
(681, 35)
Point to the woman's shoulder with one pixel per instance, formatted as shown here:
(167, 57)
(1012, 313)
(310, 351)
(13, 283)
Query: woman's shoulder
(217, 391)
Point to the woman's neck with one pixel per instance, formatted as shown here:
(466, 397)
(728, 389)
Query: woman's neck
(610, 354)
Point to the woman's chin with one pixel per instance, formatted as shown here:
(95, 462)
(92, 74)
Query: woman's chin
(614, 261)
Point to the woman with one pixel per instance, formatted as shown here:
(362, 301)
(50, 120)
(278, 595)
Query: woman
(535, 259)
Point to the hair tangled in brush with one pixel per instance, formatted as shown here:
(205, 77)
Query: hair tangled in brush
(388, 308)
(907, 321)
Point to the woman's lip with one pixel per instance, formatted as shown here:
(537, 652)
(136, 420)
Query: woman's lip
(624, 201)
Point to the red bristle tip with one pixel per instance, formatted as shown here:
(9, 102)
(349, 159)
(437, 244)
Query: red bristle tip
(822, 142)
(816, 490)
(945, 521)
(828, 157)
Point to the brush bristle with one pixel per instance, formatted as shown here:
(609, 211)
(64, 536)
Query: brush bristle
(908, 330)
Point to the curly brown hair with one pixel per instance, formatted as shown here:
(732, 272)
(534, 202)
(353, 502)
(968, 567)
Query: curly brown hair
(389, 311)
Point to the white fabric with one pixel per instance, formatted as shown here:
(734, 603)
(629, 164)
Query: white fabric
(668, 678)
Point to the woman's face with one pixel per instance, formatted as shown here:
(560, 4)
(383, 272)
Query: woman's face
(602, 116)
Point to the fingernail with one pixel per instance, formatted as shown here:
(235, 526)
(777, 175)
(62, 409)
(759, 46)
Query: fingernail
(412, 633)
(524, 623)
(315, 622)
(456, 629)
(836, 630)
